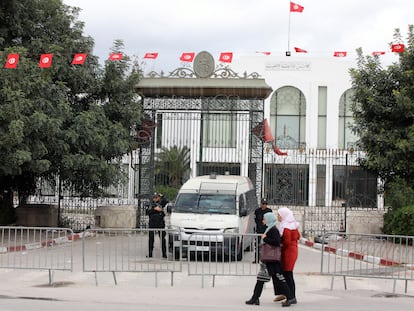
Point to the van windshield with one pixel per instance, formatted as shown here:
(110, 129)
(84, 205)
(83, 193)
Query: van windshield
(205, 203)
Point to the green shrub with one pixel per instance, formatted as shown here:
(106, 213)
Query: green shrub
(398, 194)
(400, 221)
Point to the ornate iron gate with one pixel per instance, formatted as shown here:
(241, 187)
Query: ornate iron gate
(210, 113)
(216, 131)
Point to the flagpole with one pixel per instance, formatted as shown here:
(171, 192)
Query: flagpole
(288, 46)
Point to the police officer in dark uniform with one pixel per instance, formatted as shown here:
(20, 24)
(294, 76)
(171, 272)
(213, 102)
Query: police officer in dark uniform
(156, 220)
(260, 227)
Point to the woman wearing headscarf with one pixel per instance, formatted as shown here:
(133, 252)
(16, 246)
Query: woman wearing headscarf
(272, 237)
(289, 232)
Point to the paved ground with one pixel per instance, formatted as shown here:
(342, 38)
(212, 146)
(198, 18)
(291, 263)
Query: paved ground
(149, 291)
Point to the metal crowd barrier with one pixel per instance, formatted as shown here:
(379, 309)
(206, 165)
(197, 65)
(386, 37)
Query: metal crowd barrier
(368, 256)
(220, 254)
(126, 250)
(36, 248)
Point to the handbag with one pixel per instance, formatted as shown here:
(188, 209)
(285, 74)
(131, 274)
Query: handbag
(263, 274)
(269, 253)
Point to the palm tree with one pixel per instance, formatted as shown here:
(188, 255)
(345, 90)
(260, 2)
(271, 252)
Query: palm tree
(172, 166)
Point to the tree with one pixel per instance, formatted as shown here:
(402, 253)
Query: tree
(70, 123)
(384, 120)
(384, 113)
(172, 166)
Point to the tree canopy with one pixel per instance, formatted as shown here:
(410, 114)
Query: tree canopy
(68, 122)
(384, 112)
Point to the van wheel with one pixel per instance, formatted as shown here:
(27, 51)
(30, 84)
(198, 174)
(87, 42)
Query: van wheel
(237, 253)
(240, 255)
(177, 254)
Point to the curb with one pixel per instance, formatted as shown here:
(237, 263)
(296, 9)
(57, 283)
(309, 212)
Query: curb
(347, 253)
(37, 245)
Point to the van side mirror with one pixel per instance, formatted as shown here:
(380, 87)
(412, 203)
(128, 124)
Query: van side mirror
(243, 212)
(169, 207)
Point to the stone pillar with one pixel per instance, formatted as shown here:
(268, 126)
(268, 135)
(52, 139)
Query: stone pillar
(116, 216)
(365, 222)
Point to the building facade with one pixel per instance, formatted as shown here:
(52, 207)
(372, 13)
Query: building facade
(309, 115)
(306, 159)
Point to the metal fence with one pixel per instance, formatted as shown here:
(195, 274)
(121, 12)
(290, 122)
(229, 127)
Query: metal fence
(126, 250)
(221, 255)
(36, 248)
(317, 220)
(368, 256)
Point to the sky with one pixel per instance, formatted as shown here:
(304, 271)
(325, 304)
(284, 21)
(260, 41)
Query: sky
(244, 27)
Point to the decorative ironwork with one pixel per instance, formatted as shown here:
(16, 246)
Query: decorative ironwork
(218, 103)
(249, 112)
(204, 67)
(219, 72)
(182, 72)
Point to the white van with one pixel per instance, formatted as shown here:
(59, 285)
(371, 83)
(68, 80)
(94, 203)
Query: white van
(217, 206)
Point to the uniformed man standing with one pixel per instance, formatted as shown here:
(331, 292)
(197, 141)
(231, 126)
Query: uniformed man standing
(156, 221)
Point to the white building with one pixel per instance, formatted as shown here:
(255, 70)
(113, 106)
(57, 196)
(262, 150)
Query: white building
(309, 115)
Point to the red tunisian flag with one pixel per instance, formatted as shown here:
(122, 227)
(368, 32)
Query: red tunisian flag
(278, 151)
(378, 53)
(398, 48)
(296, 7)
(115, 56)
(187, 57)
(265, 53)
(226, 57)
(151, 55)
(45, 60)
(262, 130)
(299, 50)
(12, 61)
(339, 54)
(79, 59)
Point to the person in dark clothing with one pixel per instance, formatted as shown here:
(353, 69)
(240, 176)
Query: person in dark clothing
(272, 237)
(156, 220)
(163, 200)
(260, 227)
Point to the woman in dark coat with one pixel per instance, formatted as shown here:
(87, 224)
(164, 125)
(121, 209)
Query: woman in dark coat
(272, 237)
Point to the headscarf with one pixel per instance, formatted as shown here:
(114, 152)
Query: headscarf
(288, 220)
(271, 220)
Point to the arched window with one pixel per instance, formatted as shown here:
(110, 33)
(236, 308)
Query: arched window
(346, 139)
(288, 117)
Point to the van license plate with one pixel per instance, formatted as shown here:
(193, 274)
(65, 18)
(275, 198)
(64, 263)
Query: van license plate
(195, 248)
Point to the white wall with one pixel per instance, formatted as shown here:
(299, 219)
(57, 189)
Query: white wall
(306, 74)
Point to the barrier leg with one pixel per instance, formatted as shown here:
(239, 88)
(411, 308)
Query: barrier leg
(345, 282)
(50, 277)
(114, 276)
